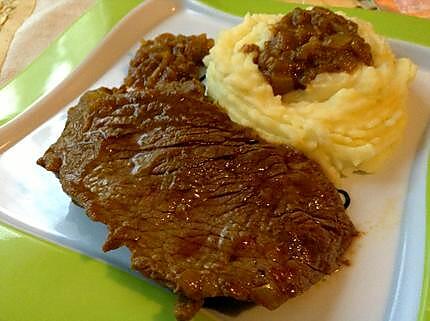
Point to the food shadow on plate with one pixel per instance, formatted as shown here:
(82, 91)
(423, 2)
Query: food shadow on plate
(227, 306)
(88, 237)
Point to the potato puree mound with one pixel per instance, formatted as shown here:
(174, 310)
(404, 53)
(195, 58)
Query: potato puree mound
(346, 122)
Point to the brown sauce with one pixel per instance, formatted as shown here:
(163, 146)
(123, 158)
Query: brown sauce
(306, 43)
(168, 59)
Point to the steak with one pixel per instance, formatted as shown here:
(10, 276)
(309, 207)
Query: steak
(205, 206)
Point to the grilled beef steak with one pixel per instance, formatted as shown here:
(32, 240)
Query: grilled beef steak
(205, 206)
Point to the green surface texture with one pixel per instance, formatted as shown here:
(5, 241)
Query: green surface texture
(65, 54)
(45, 282)
(392, 25)
(61, 57)
(424, 312)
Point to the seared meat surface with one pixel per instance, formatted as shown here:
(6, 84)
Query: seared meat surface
(205, 206)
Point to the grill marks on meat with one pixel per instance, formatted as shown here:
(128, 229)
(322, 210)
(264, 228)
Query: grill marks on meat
(205, 206)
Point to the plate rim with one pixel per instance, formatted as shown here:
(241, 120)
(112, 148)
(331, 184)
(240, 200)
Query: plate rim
(104, 15)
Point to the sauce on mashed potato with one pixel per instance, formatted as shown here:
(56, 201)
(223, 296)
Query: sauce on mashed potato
(305, 43)
(348, 122)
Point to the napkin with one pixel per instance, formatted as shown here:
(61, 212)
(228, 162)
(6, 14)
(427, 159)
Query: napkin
(48, 21)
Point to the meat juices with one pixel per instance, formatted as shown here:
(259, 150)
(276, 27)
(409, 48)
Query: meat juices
(205, 206)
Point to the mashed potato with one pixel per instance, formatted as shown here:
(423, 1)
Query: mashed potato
(346, 122)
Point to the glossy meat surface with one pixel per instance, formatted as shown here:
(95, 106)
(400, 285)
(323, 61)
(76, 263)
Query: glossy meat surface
(205, 206)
